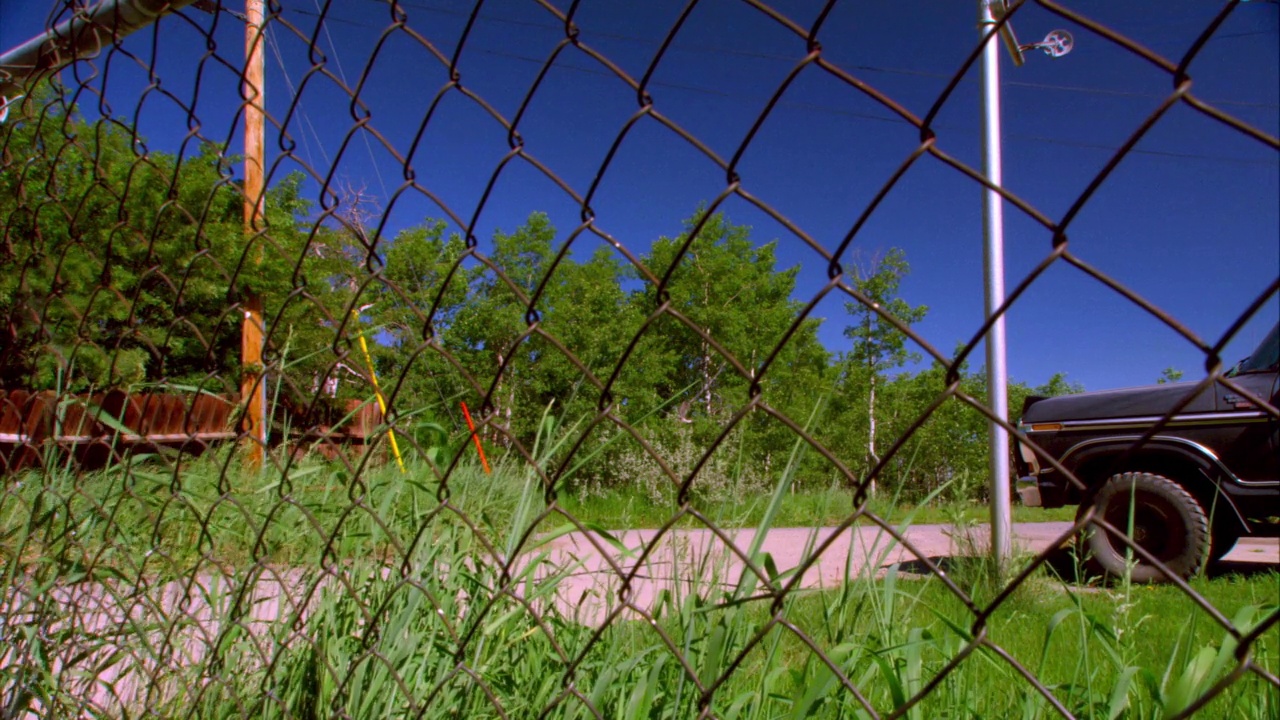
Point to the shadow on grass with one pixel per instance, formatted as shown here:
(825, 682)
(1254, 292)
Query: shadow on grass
(950, 565)
(1064, 565)
(1227, 568)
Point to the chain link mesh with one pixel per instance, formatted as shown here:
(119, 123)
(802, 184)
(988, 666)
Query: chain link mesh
(151, 572)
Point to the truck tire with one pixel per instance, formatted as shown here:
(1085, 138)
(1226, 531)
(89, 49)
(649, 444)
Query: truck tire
(1168, 523)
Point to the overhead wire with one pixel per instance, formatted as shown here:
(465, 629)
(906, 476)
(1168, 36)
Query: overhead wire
(297, 101)
(270, 37)
(717, 50)
(343, 76)
(870, 116)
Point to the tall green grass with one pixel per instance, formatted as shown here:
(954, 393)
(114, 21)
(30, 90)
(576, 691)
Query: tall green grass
(407, 600)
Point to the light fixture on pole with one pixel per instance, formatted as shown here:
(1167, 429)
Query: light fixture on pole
(1055, 44)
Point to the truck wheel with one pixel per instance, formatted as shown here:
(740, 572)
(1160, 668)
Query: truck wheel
(1167, 522)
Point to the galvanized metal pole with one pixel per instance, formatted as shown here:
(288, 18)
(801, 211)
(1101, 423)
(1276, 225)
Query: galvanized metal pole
(253, 389)
(993, 271)
(83, 36)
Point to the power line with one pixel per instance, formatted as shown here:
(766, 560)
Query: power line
(897, 120)
(1155, 153)
(368, 146)
(1132, 93)
(305, 119)
(712, 49)
(850, 113)
(1251, 33)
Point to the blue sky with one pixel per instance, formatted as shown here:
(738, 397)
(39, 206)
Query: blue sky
(1190, 220)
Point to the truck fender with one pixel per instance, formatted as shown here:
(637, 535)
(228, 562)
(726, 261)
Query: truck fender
(1184, 461)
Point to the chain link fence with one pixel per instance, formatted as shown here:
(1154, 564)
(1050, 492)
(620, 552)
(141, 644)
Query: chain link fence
(441, 557)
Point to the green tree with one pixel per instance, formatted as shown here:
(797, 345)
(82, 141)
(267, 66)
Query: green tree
(587, 312)
(1056, 386)
(877, 345)
(949, 447)
(479, 340)
(1169, 375)
(124, 266)
(729, 291)
(483, 319)
(487, 333)
(411, 307)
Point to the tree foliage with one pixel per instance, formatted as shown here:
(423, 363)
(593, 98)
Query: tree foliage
(126, 266)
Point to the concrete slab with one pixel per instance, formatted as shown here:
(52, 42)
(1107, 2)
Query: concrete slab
(604, 580)
(627, 575)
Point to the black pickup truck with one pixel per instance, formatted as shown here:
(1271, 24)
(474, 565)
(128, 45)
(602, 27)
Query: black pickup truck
(1187, 470)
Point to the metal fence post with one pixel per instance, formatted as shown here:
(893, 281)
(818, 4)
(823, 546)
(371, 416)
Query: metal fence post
(993, 272)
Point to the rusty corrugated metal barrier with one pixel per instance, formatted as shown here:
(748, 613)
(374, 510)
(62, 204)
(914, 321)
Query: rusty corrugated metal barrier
(101, 428)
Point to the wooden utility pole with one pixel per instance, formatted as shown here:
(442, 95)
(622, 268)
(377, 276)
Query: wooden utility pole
(252, 387)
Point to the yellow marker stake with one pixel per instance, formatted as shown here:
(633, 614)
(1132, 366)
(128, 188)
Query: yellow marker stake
(377, 392)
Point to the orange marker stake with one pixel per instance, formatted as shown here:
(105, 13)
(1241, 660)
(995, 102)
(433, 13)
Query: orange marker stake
(467, 414)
